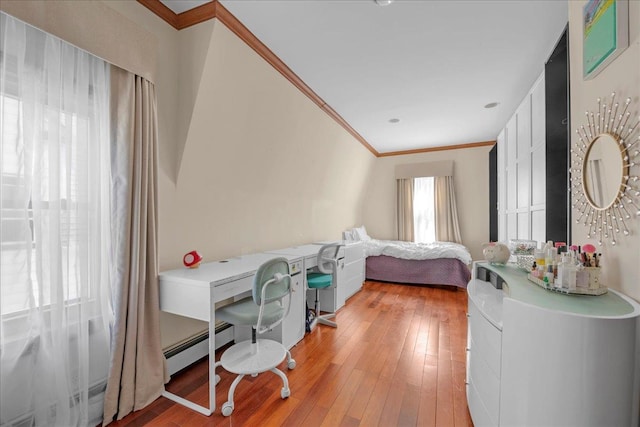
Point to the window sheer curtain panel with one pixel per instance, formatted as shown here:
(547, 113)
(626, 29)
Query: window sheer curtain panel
(424, 224)
(447, 226)
(138, 372)
(56, 230)
(404, 213)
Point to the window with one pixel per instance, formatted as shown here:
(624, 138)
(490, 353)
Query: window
(53, 172)
(20, 256)
(56, 234)
(424, 225)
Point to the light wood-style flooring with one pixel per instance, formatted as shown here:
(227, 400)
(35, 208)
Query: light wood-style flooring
(397, 358)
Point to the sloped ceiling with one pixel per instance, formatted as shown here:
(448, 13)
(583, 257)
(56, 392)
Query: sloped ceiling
(413, 74)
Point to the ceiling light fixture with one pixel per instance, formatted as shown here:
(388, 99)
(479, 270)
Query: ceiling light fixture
(492, 105)
(384, 2)
(394, 120)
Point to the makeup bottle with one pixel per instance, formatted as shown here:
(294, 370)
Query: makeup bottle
(549, 275)
(562, 272)
(570, 274)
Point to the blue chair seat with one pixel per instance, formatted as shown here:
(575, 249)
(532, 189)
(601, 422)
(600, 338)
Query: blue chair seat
(318, 280)
(244, 312)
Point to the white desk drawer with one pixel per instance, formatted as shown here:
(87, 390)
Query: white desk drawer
(231, 289)
(354, 270)
(351, 287)
(485, 339)
(353, 252)
(172, 299)
(479, 413)
(486, 383)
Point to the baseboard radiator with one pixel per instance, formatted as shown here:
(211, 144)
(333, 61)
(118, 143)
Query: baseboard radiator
(17, 410)
(195, 348)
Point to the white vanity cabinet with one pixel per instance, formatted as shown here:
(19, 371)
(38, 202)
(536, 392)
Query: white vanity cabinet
(484, 355)
(539, 358)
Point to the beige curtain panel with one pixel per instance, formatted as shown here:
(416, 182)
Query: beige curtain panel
(405, 209)
(138, 368)
(447, 226)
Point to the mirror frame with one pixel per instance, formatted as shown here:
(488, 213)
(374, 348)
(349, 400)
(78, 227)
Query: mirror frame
(612, 120)
(625, 172)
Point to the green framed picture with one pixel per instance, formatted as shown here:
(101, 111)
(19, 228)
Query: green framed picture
(605, 34)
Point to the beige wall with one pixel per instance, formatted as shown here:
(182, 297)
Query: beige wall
(471, 179)
(263, 167)
(247, 162)
(621, 268)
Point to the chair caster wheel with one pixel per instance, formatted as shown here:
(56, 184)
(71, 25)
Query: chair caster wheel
(291, 364)
(227, 409)
(217, 378)
(285, 392)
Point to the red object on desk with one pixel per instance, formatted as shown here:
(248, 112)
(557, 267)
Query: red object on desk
(192, 259)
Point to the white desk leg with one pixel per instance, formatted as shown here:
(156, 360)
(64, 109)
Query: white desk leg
(212, 354)
(212, 374)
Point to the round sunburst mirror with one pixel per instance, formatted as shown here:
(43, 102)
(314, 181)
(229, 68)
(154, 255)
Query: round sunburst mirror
(605, 189)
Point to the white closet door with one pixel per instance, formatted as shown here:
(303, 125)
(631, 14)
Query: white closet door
(521, 175)
(524, 153)
(502, 187)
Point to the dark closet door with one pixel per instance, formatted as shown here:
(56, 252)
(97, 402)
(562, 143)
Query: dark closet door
(558, 221)
(493, 194)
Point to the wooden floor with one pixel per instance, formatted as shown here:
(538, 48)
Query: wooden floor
(397, 358)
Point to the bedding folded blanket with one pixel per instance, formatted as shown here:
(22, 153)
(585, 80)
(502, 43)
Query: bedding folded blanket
(417, 251)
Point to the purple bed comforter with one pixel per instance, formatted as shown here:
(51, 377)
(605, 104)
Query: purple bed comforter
(440, 271)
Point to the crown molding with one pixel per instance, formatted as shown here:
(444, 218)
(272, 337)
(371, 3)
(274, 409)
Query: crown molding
(442, 148)
(168, 15)
(215, 9)
(194, 16)
(199, 14)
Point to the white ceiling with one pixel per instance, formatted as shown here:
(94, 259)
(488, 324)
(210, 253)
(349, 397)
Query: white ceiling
(432, 64)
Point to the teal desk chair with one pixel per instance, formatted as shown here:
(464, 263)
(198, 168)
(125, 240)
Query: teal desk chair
(324, 278)
(262, 311)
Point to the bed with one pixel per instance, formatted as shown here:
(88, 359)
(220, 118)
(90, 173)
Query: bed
(438, 263)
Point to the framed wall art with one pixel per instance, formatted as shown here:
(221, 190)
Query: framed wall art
(605, 34)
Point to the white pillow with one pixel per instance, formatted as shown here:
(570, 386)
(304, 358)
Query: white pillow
(361, 233)
(347, 235)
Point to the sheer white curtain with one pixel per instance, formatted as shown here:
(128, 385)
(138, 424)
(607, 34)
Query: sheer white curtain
(56, 229)
(424, 221)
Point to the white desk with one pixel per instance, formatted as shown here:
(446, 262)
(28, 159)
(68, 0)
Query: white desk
(308, 252)
(194, 292)
(329, 300)
(350, 274)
